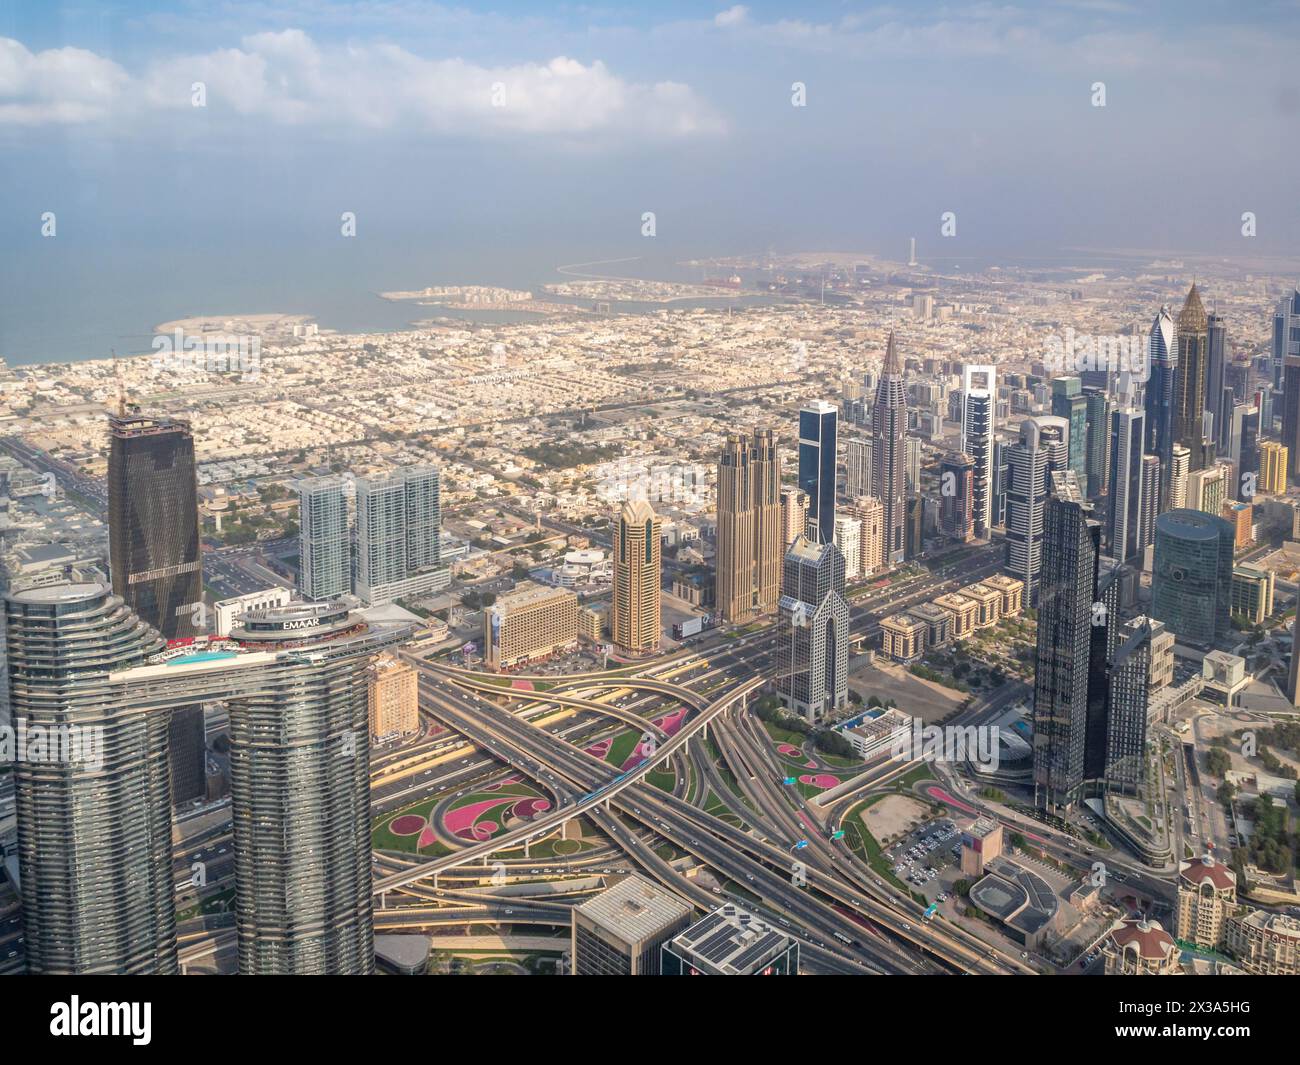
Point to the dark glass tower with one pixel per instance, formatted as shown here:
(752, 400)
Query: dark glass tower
(153, 522)
(153, 551)
(889, 430)
(1191, 381)
(1192, 581)
(1068, 590)
(1069, 402)
(1216, 332)
(817, 465)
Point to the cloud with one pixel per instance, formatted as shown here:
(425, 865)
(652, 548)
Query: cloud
(285, 78)
(60, 85)
(733, 16)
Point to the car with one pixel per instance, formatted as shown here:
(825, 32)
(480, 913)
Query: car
(509, 910)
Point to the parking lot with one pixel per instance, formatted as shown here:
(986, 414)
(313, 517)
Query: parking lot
(919, 858)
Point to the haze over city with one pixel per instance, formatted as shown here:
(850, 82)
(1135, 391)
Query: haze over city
(672, 490)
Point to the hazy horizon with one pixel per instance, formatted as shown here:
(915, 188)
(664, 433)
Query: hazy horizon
(489, 147)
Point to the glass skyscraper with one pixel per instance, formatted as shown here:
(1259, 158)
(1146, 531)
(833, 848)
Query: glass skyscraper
(399, 531)
(817, 464)
(1192, 581)
(979, 410)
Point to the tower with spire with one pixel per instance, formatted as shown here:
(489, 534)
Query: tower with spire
(1191, 380)
(889, 453)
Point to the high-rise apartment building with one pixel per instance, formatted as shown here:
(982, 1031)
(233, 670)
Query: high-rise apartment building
(294, 680)
(848, 538)
(794, 515)
(393, 698)
(812, 652)
(869, 513)
(94, 840)
(1128, 696)
(324, 547)
(749, 548)
(859, 460)
(1291, 414)
(399, 535)
(1178, 477)
(1272, 468)
(978, 416)
(634, 612)
(889, 432)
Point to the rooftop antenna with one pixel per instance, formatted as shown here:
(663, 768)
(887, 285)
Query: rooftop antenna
(121, 387)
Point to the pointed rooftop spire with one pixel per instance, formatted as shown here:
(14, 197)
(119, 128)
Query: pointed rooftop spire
(1192, 317)
(893, 364)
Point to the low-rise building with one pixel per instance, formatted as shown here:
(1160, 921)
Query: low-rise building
(988, 602)
(731, 942)
(1207, 897)
(1139, 946)
(964, 611)
(902, 637)
(1266, 944)
(1012, 590)
(529, 624)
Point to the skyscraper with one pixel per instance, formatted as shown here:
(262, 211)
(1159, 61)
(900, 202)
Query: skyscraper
(1216, 334)
(1178, 477)
(1041, 450)
(153, 522)
(399, 535)
(1162, 369)
(94, 841)
(1071, 552)
(1099, 410)
(324, 550)
(1069, 402)
(870, 516)
(1126, 719)
(817, 465)
(153, 547)
(1291, 414)
(634, 612)
(794, 515)
(889, 428)
(1192, 582)
(979, 411)
(858, 467)
(812, 652)
(749, 548)
(1150, 507)
(1191, 381)
(1123, 541)
(956, 495)
(1286, 334)
(300, 794)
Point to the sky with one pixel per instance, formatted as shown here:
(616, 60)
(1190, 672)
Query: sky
(492, 142)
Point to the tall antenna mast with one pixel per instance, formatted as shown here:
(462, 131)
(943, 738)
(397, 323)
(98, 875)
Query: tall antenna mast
(121, 387)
